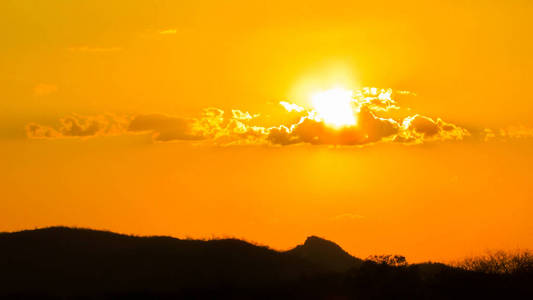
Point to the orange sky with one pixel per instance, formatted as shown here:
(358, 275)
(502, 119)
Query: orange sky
(147, 70)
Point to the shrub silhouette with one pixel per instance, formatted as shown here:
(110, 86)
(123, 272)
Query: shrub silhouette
(389, 259)
(500, 262)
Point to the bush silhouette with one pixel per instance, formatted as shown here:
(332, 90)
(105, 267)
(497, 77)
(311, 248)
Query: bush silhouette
(500, 262)
(389, 259)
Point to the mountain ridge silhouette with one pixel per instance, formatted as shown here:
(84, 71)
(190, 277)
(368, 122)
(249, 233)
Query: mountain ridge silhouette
(326, 254)
(110, 257)
(71, 263)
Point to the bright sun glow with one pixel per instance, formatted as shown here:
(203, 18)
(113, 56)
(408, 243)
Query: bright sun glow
(334, 107)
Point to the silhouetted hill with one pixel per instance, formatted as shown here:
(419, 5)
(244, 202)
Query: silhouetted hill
(45, 259)
(325, 254)
(64, 263)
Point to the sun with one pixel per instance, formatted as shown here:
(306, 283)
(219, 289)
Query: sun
(335, 107)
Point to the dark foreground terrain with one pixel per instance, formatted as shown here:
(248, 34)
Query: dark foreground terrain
(65, 263)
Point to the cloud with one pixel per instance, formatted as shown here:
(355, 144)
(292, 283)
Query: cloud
(76, 126)
(239, 115)
(168, 31)
(379, 119)
(165, 128)
(43, 89)
(508, 133)
(308, 130)
(36, 131)
(417, 129)
(291, 107)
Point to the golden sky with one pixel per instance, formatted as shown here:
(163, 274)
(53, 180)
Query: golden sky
(386, 126)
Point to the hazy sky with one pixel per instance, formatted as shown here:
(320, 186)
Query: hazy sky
(111, 118)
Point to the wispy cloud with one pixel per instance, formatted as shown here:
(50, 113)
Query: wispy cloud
(168, 31)
(76, 126)
(508, 133)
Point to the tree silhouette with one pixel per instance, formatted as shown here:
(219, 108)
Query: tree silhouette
(500, 262)
(388, 259)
